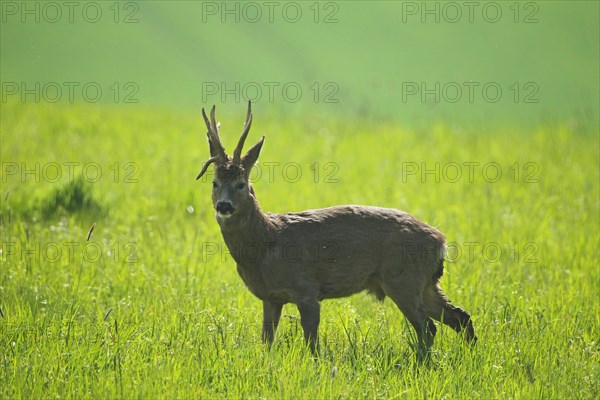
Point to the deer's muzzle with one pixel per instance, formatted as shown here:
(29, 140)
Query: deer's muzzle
(225, 208)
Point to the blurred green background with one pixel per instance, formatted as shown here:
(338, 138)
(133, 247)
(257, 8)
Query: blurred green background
(347, 58)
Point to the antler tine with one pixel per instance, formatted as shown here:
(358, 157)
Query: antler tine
(213, 119)
(237, 153)
(205, 167)
(206, 120)
(213, 133)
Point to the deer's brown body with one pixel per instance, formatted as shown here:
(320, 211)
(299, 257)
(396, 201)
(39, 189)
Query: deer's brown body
(305, 257)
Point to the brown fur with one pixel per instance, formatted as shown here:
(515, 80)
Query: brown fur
(309, 256)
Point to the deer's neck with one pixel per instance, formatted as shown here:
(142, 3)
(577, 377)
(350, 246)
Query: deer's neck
(248, 237)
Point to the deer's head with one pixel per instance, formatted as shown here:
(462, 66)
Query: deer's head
(232, 193)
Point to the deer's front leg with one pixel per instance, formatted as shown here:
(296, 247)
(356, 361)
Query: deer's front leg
(271, 315)
(310, 316)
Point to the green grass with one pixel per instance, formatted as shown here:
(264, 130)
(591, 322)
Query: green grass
(145, 310)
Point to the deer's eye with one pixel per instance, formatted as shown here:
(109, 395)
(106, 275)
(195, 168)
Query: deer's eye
(215, 185)
(240, 186)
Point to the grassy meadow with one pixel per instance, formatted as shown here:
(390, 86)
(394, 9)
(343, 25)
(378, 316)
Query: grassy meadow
(100, 126)
(152, 307)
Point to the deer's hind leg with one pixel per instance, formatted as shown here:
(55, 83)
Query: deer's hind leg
(439, 308)
(407, 297)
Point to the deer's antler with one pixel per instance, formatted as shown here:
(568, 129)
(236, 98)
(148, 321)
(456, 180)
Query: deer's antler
(213, 135)
(237, 153)
(205, 167)
(214, 141)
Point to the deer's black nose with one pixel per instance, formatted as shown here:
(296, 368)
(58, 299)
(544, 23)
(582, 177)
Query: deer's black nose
(224, 207)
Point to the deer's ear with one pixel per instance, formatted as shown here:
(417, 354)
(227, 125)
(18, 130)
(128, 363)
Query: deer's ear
(251, 156)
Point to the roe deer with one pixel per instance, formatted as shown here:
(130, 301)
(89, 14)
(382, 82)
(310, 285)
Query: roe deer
(305, 257)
